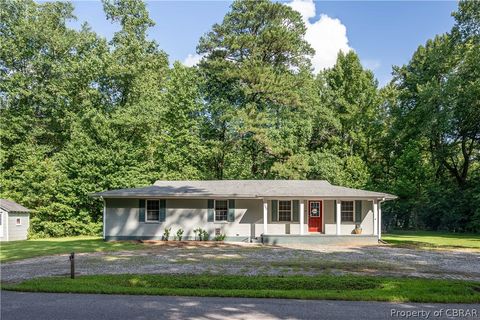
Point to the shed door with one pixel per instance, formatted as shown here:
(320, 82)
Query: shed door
(315, 213)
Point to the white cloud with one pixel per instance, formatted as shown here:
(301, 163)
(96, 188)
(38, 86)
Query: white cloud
(192, 60)
(305, 7)
(371, 64)
(327, 35)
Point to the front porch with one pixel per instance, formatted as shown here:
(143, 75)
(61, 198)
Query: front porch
(321, 220)
(322, 239)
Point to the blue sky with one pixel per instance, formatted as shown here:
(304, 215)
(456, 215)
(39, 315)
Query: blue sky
(383, 33)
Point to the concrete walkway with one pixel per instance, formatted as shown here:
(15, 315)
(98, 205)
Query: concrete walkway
(39, 306)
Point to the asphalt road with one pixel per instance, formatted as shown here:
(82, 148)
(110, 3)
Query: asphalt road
(52, 306)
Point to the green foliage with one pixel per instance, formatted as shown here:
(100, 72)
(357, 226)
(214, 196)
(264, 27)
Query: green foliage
(80, 114)
(198, 232)
(219, 237)
(204, 235)
(432, 239)
(352, 93)
(334, 287)
(179, 235)
(16, 250)
(166, 234)
(255, 63)
(436, 131)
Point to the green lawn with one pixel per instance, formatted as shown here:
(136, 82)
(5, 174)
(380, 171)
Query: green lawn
(296, 287)
(433, 239)
(17, 250)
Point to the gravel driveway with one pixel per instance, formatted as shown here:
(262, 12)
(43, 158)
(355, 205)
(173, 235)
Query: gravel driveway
(251, 259)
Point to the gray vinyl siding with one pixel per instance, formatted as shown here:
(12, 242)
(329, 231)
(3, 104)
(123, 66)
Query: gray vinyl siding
(3, 234)
(122, 220)
(18, 232)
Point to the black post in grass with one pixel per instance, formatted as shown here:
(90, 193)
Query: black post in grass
(72, 265)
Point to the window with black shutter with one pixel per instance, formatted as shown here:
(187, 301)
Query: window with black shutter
(153, 211)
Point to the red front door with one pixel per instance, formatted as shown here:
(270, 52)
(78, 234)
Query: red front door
(315, 216)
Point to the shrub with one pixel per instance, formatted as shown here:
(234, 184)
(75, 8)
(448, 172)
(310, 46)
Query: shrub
(166, 234)
(198, 231)
(220, 237)
(179, 235)
(45, 229)
(205, 235)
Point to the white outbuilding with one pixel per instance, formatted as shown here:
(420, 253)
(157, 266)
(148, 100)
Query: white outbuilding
(14, 221)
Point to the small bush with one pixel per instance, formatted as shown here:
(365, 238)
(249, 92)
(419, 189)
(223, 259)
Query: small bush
(205, 235)
(166, 234)
(179, 235)
(220, 237)
(198, 231)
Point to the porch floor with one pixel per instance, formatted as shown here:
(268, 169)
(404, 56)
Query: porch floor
(320, 238)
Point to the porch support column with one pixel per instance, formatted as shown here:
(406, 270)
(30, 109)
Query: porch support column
(302, 216)
(339, 216)
(104, 222)
(375, 217)
(265, 216)
(380, 220)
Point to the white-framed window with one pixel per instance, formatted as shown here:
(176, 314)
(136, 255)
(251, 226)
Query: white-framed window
(284, 210)
(152, 211)
(18, 222)
(347, 212)
(221, 210)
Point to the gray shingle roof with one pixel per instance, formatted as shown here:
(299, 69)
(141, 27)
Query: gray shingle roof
(243, 189)
(10, 206)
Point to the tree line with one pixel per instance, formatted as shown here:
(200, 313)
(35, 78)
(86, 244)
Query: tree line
(80, 113)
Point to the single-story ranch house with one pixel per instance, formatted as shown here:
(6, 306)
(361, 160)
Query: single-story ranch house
(268, 211)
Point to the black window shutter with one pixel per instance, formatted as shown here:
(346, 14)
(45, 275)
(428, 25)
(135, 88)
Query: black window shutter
(358, 211)
(296, 210)
(231, 210)
(141, 210)
(274, 210)
(163, 210)
(335, 211)
(211, 210)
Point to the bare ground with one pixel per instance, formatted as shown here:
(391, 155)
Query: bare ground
(251, 259)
